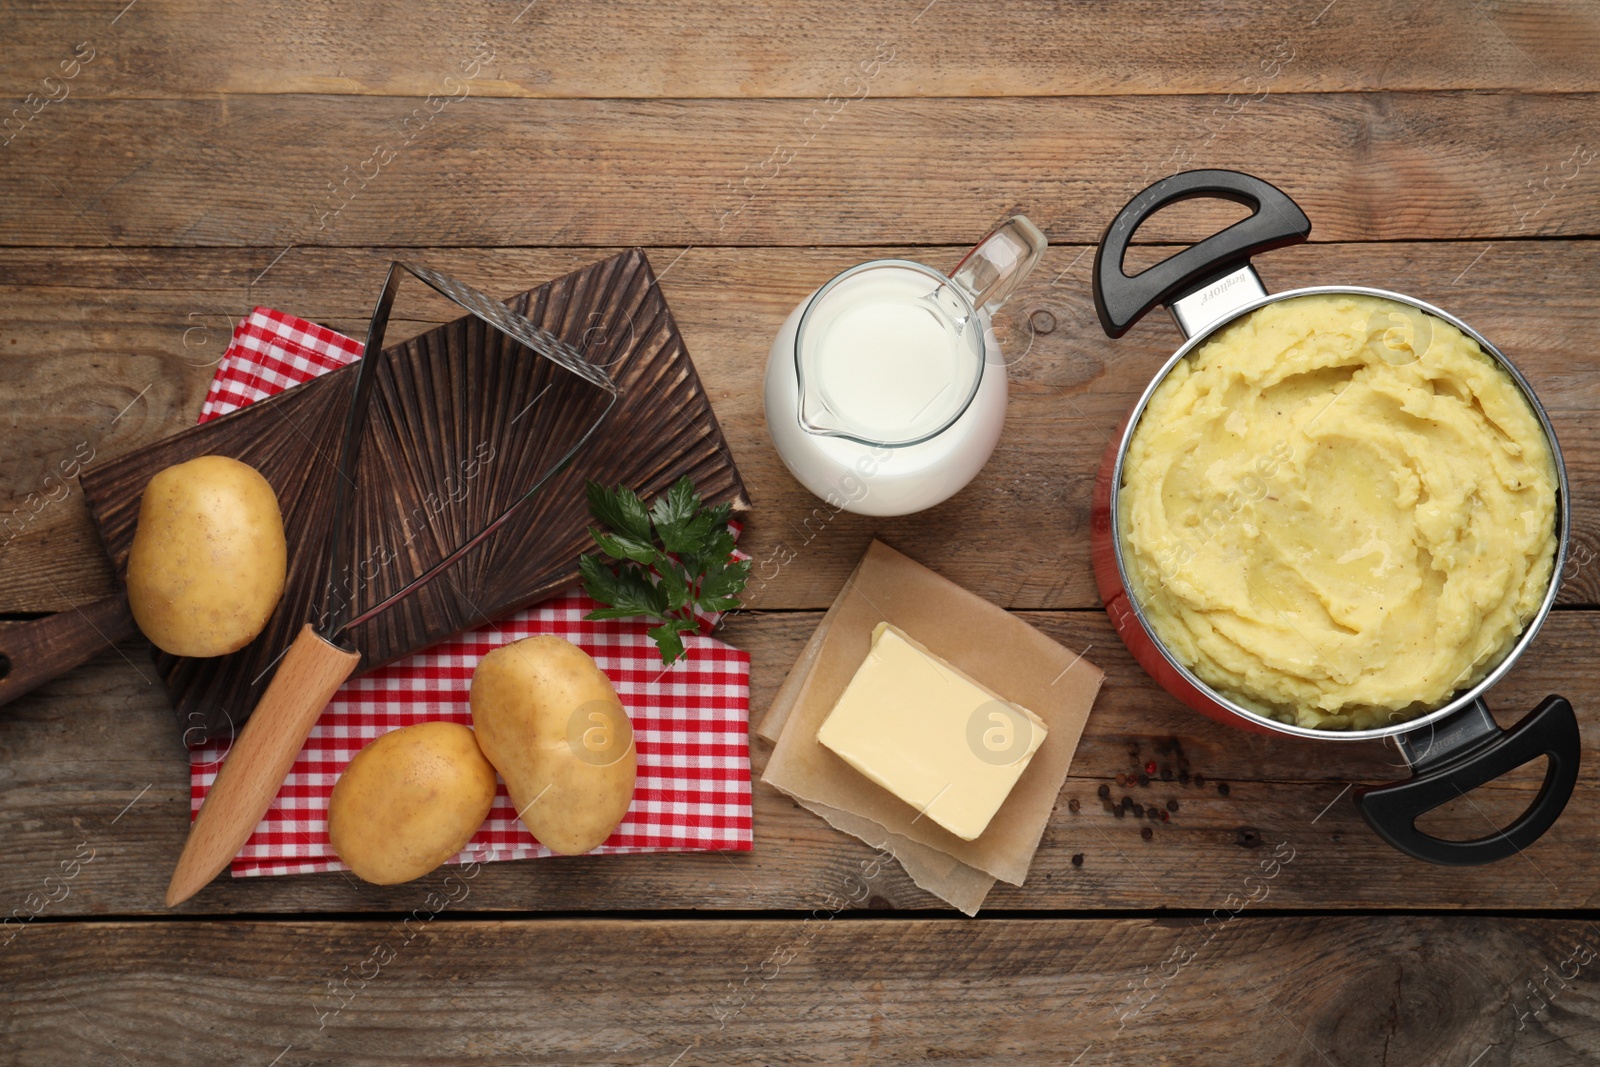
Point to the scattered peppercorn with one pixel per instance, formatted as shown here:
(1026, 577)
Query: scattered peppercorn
(1144, 779)
(1165, 817)
(1104, 791)
(1166, 774)
(1147, 833)
(1127, 803)
(1199, 781)
(1138, 811)
(1119, 812)
(1172, 805)
(1150, 768)
(1222, 787)
(1073, 805)
(1077, 859)
(1183, 776)
(1122, 779)
(1153, 812)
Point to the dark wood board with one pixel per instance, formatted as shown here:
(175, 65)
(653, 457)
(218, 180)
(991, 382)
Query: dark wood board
(461, 423)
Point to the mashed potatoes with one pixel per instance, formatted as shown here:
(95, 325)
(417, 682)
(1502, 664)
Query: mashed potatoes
(1339, 511)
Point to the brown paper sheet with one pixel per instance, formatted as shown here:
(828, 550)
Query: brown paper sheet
(994, 647)
(944, 876)
(778, 711)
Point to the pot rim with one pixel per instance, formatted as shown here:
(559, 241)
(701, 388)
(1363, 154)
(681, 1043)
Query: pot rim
(1462, 697)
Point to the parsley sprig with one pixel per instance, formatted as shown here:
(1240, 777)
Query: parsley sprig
(671, 559)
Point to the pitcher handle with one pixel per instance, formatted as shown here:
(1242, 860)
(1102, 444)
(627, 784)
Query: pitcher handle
(998, 263)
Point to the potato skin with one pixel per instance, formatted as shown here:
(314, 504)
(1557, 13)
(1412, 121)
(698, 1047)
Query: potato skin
(410, 800)
(208, 560)
(549, 720)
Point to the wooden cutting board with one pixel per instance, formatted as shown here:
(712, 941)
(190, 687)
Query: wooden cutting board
(461, 422)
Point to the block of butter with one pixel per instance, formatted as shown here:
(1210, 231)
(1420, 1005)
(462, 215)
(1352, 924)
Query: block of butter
(931, 735)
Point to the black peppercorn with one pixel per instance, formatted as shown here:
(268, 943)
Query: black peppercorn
(1119, 812)
(1104, 791)
(1172, 805)
(1199, 781)
(1138, 811)
(1073, 805)
(1183, 776)
(1077, 859)
(1153, 812)
(1127, 803)
(1166, 774)
(1222, 787)
(1144, 779)
(1147, 833)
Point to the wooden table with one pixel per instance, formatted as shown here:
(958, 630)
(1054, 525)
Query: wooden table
(201, 161)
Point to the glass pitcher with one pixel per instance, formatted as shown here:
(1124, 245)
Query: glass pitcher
(885, 389)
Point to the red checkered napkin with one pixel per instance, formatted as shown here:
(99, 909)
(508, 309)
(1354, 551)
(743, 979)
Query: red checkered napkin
(690, 721)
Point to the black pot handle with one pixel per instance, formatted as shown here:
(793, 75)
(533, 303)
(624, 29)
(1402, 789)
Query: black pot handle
(1463, 752)
(1275, 221)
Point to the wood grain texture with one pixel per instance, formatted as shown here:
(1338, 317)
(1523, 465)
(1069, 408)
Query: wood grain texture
(718, 49)
(298, 170)
(85, 747)
(32, 653)
(1017, 535)
(433, 989)
(219, 155)
(462, 423)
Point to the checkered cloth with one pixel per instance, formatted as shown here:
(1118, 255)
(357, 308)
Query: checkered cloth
(690, 722)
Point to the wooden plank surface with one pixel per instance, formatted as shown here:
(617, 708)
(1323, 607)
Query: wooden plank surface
(96, 759)
(425, 988)
(203, 159)
(102, 351)
(700, 48)
(298, 170)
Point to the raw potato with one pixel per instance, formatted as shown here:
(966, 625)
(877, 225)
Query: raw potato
(551, 723)
(208, 559)
(409, 801)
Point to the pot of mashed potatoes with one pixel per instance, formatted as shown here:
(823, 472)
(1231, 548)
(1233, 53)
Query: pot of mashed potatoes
(1338, 511)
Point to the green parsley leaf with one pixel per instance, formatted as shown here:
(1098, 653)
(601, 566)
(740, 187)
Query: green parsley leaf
(619, 509)
(675, 507)
(673, 559)
(621, 546)
(668, 640)
(629, 591)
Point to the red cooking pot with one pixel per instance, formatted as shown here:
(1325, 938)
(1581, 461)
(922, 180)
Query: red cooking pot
(1450, 750)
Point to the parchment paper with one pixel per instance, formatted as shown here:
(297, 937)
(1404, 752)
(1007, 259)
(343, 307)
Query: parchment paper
(994, 647)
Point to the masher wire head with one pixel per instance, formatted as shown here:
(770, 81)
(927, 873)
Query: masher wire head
(334, 619)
